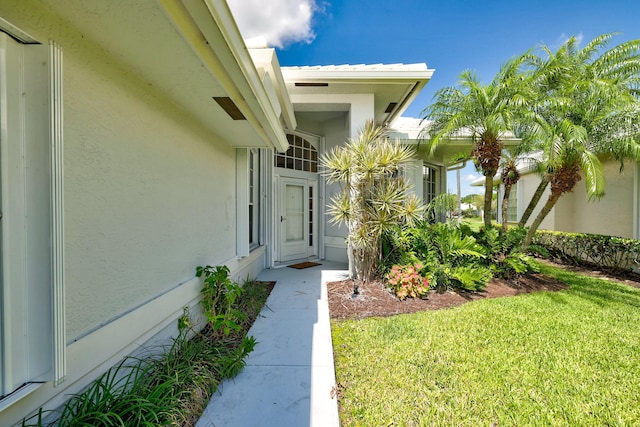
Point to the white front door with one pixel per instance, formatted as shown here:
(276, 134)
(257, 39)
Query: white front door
(296, 218)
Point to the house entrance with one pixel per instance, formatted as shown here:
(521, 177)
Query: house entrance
(297, 219)
(297, 199)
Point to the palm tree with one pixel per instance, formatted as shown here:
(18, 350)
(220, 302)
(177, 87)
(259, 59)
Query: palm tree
(488, 112)
(588, 109)
(374, 197)
(510, 177)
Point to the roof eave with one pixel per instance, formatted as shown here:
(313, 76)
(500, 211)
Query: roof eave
(210, 30)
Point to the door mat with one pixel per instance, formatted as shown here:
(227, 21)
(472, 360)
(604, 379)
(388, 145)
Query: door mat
(302, 265)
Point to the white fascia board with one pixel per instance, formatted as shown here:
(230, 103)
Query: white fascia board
(208, 27)
(270, 121)
(361, 76)
(17, 33)
(267, 59)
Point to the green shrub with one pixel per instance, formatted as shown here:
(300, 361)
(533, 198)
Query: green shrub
(219, 295)
(450, 259)
(607, 252)
(503, 254)
(171, 385)
(168, 387)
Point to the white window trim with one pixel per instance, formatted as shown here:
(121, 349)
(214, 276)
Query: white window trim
(243, 246)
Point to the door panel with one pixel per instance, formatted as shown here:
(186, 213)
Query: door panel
(295, 216)
(294, 213)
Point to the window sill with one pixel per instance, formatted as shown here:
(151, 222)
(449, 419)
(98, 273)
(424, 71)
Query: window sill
(19, 394)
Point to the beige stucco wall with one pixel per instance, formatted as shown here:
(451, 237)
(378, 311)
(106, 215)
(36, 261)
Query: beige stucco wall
(574, 212)
(564, 214)
(149, 195)
(146, 189)
(612, 214)
(527, 187)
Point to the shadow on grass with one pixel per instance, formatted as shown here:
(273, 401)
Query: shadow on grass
(597, 291)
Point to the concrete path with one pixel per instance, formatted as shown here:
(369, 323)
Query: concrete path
(290, 375)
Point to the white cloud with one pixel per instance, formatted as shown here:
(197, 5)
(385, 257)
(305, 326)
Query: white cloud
(280, 22)
(470, 177)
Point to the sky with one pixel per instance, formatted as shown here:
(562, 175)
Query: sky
(450, 36)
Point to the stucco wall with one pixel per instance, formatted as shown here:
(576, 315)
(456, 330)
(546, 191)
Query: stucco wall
(564, 214)
(574, 212)
(336, 133)
(529, 184)
(149, 195)
(612, 214)
(147, 199)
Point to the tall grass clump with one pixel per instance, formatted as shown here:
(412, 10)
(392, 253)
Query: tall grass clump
(170, 385)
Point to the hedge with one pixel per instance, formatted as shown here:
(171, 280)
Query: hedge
(606, 252)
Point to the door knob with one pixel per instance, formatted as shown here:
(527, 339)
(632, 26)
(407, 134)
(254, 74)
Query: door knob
(282, 218)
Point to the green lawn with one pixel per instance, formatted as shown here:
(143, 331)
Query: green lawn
(570, 358)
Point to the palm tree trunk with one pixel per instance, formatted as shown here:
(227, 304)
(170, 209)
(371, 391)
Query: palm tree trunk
(488, 196)
(534, 201)
(505, 206)
(459, 196)
(551, 201)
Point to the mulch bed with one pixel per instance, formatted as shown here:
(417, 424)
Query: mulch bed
(375, 300)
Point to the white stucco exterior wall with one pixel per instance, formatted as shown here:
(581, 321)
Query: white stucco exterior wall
(613, 213)
(529, 184)
(149, 195)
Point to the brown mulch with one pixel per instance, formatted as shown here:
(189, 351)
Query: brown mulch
(375, 300)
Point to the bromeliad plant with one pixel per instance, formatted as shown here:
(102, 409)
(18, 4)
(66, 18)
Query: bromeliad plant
(406, 281)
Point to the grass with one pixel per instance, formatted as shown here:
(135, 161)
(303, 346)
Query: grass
(558, 359)
(169, 386)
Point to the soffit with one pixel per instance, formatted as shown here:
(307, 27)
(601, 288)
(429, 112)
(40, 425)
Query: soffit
(389, 83)
(143, 39)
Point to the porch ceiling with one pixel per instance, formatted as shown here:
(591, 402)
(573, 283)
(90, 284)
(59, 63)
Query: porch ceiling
(190, 51)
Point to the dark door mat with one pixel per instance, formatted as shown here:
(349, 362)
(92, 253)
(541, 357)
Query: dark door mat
(302, 265)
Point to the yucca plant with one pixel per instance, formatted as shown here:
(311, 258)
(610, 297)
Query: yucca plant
(373, 198)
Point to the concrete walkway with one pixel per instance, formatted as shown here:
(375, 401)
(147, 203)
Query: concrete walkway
(290, 375)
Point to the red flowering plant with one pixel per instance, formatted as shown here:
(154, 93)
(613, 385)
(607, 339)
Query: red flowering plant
(406, 281)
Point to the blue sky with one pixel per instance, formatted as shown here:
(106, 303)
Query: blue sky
(449, 36)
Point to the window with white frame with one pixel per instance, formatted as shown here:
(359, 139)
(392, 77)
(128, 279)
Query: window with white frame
(249, 209)
(32, 340)
(301, 155)
(254, 198)
(429, 183)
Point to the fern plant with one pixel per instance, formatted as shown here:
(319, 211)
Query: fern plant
(503, 251)
(449, 258)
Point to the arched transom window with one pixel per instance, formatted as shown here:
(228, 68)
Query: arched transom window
(301, 155)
